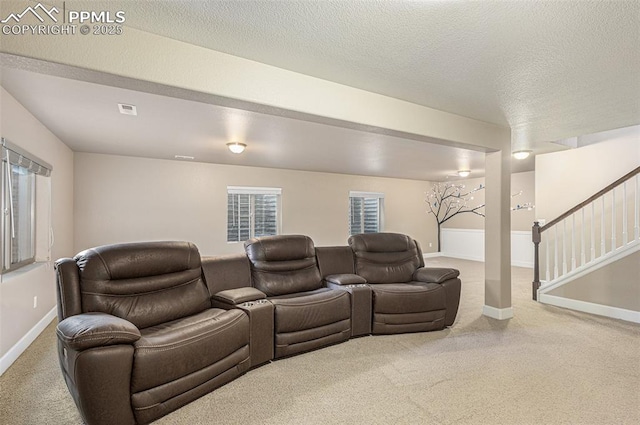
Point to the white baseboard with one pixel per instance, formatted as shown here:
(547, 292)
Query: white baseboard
(468, 244)
(587, 307)
(432, 255)
(497, 313)
(24, 343)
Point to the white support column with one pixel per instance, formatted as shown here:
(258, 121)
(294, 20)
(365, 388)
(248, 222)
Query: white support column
(497, 293)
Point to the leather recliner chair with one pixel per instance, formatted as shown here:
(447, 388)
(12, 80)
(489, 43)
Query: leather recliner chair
(306, 314)
(407, 297)
(137, 336)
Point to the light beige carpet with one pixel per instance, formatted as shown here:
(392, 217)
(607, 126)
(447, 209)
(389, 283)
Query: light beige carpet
(545, 366)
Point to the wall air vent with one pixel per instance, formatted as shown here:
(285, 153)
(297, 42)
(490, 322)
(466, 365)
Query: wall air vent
(185, 157)
(127, 109)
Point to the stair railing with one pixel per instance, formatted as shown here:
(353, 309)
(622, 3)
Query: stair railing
(590, 214)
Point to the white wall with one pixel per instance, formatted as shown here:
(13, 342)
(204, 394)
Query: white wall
(119, 199)
(564, 179)
(17, 290)
(468, 244)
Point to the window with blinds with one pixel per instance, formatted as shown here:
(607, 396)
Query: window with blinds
(18, 171)
(252, 212)
(365, 212)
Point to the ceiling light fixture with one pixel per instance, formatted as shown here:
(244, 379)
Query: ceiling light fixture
(464, 173)
(236, 147)
(521, 154)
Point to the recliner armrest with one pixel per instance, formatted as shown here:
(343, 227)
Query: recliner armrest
(345, 279)
(239, 295)
(89, 330)
(434, 274)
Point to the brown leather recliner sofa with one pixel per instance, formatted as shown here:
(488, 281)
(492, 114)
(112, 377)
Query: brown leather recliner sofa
(138, 337)
(148, 327)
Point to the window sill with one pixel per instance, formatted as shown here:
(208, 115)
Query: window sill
(16, 274)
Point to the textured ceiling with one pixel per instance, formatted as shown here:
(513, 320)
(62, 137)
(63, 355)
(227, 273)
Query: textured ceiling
(548, 69)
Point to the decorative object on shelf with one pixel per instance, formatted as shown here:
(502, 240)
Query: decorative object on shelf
(236, 147)
(526, 206)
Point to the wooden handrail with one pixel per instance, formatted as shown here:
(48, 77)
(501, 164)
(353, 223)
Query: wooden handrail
(537, 230)
(590, 199)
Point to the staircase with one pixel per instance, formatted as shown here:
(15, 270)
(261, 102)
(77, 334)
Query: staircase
(589, 257)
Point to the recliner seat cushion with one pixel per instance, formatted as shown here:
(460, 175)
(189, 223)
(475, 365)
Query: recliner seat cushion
(413, 297)
(408, 307)
(311, 319)
(175, 349)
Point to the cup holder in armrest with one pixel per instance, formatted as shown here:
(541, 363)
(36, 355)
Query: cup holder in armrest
(248, 304)
(261, 301)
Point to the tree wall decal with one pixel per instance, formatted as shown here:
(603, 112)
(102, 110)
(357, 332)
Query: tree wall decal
(446, 200)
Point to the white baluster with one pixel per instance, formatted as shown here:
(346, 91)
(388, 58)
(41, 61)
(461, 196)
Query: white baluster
(564, 246)
(613, 219)
(637, 207)
(583, 258)
(555, 253)
(603, 245)
(573, 241)
(548, 274)
(624, 213)
(593, 231)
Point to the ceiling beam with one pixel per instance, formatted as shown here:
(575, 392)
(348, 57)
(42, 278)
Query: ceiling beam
(149, 62)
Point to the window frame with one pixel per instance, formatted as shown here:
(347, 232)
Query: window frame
(367, 195)
(7, 215)
(252, 192)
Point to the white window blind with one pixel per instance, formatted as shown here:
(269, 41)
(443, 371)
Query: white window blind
(18, 170)
(365, 212)
(252, 212)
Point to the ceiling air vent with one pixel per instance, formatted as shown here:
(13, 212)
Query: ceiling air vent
(127, 109)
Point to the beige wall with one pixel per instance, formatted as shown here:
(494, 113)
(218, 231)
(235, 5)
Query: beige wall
(616, 285)
(17, 315)
(120, 199)
(520, 220)
(564, 179)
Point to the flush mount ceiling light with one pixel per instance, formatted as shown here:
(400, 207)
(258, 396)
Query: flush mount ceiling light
(521, 154)
(464, 173)
(236, 147)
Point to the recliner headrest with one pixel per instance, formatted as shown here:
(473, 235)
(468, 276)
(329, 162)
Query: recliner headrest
(279, 248)
(137, 259)
(381, 242)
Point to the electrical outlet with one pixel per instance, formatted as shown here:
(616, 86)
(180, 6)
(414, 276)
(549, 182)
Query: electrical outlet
(35, 302)
(430, 244)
